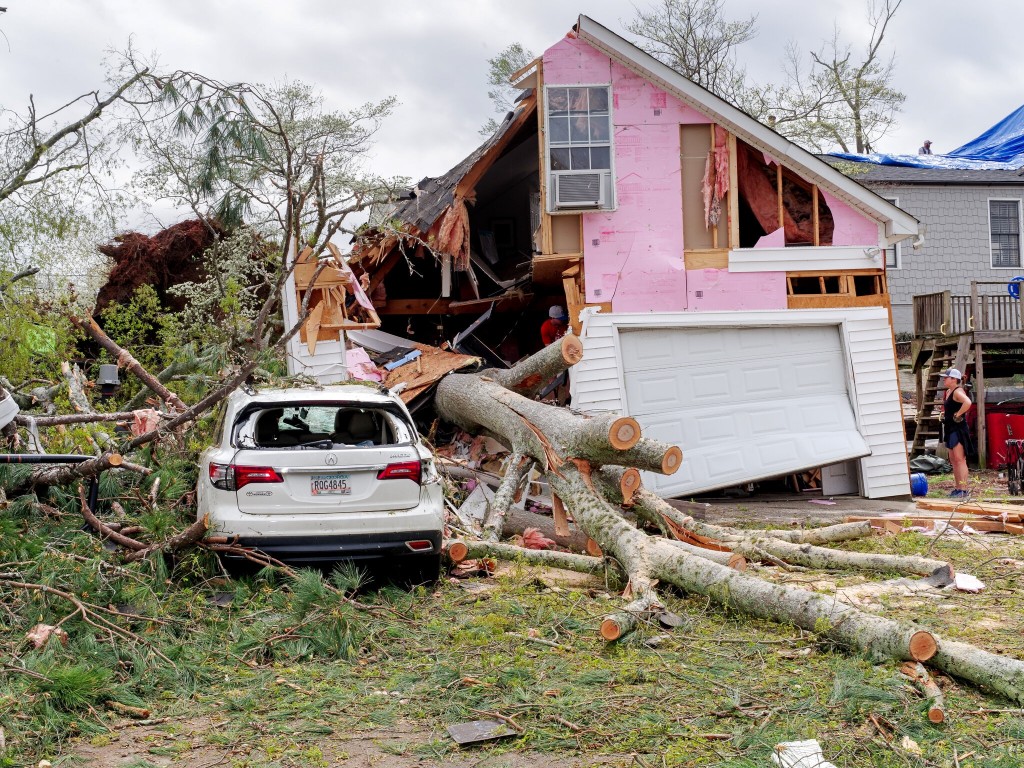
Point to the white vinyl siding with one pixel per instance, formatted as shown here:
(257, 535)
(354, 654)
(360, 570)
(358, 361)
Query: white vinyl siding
(1004, 226)
(893, 255)
(598, 381)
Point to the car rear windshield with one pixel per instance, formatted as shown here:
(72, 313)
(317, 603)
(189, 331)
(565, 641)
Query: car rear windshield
(301, 425)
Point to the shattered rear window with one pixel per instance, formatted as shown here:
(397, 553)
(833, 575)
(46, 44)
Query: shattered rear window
(321, 425)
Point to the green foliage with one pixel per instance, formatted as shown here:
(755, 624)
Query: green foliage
(144, 328)
(221, 310)
(35, 334)
(74, 687)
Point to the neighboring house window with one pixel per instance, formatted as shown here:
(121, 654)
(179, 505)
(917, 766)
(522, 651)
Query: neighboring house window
(579, 148)
(892, 253)
(1004, 227)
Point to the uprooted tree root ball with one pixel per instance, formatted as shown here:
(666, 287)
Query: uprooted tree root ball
(589, 464)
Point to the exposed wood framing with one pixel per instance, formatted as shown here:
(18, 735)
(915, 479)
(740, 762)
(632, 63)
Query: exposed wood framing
(546, 245)
(734, 197)
(778, 190)
(547, 270)
(715, 259)
(714, 230)
(816, 223)
(575, 299)
(467, 184)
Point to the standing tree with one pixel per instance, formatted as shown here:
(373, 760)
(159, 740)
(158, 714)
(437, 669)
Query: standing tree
(694, 38)
(271, 158)
(835, 99)
(500, 69)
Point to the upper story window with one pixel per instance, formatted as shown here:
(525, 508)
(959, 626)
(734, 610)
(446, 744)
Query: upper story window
(892, 253)
(1004, 228)
(579, 148)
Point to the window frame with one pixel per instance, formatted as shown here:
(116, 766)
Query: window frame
(549, 174)
(1020, 232)
(897, 249)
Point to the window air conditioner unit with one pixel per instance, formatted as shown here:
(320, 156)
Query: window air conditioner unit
(581, 189)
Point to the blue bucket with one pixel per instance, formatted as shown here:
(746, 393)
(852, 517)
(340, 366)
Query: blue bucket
(919, 484)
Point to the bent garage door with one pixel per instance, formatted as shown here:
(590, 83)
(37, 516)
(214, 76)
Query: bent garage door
(743, 403)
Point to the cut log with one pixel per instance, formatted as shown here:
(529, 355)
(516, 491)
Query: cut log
(529, 376)
(472, 550)
(548, 434)
(916, 673)
(573, 452)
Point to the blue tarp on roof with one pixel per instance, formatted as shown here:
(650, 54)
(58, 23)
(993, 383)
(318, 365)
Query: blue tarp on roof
(1000, 148)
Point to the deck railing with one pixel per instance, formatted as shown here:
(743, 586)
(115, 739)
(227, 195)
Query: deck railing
(943, 314)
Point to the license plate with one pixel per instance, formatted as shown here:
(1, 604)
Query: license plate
(330, 485)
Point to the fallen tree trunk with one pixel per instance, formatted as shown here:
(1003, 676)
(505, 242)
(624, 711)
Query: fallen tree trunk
(571, 451)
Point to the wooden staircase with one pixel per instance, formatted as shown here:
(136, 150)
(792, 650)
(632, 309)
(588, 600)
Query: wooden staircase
(953, 353)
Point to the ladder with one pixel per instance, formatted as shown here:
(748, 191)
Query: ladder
(947, 354)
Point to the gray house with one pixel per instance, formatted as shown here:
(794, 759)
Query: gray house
(972, 221)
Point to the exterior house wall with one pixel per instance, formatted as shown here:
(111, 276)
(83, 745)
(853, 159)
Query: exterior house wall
(956, 245)
(633, 255)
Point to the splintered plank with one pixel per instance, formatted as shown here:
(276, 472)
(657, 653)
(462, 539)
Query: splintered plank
(978, 524)
(1010, 513)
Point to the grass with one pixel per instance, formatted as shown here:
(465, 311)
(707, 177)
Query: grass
(295, 675)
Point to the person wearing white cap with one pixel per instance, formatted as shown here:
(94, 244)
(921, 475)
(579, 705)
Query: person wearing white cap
(955, 434)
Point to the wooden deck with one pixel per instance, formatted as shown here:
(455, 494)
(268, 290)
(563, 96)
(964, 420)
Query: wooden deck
(952, 331)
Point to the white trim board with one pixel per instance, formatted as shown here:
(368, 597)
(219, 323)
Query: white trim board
(597, 382)
(810, 259)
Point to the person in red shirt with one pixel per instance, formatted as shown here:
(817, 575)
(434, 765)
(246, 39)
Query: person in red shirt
(555, 326)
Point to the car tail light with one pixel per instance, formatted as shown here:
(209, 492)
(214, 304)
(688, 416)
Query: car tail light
(420, 545)
(403, 470)
(232, 477)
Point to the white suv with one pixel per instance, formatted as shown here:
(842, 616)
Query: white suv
(313, 476)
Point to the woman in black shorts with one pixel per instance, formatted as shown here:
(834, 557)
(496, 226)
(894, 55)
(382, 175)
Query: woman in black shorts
(955, 403)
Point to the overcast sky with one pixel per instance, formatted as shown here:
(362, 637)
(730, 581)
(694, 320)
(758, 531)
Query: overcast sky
(958, 63)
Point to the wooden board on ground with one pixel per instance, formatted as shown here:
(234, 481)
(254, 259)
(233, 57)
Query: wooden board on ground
(928, 521)
(1008, 512)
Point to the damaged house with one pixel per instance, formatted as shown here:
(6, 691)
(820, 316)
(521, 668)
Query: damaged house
(729, 287)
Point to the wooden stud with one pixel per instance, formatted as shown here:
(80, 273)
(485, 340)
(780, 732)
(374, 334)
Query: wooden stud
(546, 243)
(778, 188)
(814, 214)
(734, 197)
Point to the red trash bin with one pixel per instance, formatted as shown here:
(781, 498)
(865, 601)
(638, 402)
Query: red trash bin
(997, 426)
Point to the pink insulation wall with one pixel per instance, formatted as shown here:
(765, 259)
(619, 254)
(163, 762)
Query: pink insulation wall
(852, 228)
(634, 255)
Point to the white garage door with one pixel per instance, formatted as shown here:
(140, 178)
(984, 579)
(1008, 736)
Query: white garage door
(742, 403)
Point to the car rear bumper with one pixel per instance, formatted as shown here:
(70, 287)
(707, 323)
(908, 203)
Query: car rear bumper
(364, 547)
